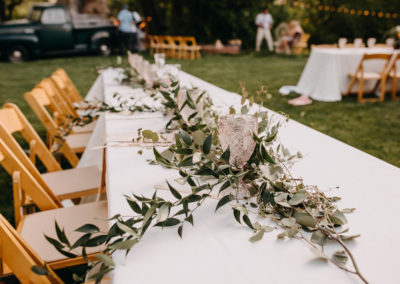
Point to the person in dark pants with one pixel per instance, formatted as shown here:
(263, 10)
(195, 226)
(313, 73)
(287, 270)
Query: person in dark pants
(126, 20)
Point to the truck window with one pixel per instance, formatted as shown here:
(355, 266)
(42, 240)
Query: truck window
(54, 16)
(34, 15)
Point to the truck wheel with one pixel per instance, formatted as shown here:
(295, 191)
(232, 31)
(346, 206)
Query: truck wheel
(104, 48)
(17, 53)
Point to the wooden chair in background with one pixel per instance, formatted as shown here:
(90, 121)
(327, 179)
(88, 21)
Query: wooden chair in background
(301, 45)
(394, 75)
(74, 143)
(361, 75)
(64, 184)
(69, 87)
(190, 47)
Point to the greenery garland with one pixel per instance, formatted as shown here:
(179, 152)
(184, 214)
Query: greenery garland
(298, 210)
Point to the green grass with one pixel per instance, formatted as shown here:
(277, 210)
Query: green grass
(373, 128)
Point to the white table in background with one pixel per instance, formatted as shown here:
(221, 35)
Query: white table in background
(325, 76)
(216, 249)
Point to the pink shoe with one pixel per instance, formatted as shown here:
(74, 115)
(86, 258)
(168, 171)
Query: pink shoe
(300, 101)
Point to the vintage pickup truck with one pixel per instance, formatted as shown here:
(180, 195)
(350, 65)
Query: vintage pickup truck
(52, 29)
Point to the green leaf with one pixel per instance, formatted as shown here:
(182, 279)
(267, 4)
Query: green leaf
(187, 162)
(40, 270)
(224, 200)
(163, 212)
(61, 235)
(288, 222)
(186, 137)
(318, 237)
(297, 198)
(304, 219)
(190, 219)
(207, 144)
(88, 228)
(82, 240)
(96, 241)
(224, 186)
(349, 238)
(348, 210)
(247, 221)
(180, 229)
(54, 242)
(174, 191)
(168, 223)
(106, 259)
(135, 207)
(226, 155)
(126, 229)
(160, 158)
(124, 245)
(148, 134)
(236, 213)
(149, 214)
(266, 156)
(257, 236)
(338, 218)
(340, 257)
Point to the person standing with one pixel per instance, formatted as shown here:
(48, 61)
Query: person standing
(135, 31)
(264, 23)
(125, 19)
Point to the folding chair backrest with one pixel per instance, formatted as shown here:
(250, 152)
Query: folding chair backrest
(39, 101)
(20, 257)
(63, 90)
(44, 200)
(190, 40)
(69, 84)
(55, 96)
(171, 41)
(375, 56)
(392, 67)
(14, 121)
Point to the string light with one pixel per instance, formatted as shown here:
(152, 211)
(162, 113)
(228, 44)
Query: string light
(345, 10)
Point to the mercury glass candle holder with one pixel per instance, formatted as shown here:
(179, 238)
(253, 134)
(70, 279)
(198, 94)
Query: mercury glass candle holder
(236, 132)
(188, 111)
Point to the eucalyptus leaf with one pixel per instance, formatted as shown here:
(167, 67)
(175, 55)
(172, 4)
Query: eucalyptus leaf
(224, 200)
(186, 137)
(338, 218)
(106, 259)
(174, 191)
(297, 198)
(319, 253)
(340, 257)
(304, 219)
(207, 144)
(40, 270)
(257, 236)
(319, 238)
(124, 245)
(163, 212)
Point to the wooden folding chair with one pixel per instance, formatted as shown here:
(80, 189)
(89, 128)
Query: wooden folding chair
(19, 257)
(392, 74)
(33, 226)
(68, 86)
(362, 76)
(192, 50)
(74, 143)
(174, 47)
(301, 45)
(65, 184)
(64, 110)
(164, 46)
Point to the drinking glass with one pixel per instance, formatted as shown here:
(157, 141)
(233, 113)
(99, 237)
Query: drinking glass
(236, 132)
(342, 42)
(358, 43)
(390, 42)
(371, 42)
(159, 59)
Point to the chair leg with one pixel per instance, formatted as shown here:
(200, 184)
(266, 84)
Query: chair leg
(352, 82)
(361, 90)
(394, 89)
(383, 90)
(17, 196)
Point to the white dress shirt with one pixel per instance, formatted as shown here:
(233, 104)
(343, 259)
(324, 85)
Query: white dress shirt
(265, 20)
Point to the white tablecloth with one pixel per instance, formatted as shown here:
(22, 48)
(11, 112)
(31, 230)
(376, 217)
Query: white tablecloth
(216, 249)
(325, 76)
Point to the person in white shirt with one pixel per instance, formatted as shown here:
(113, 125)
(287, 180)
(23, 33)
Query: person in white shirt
(264, 23)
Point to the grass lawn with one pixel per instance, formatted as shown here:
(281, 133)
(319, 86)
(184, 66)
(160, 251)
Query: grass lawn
(373, 128)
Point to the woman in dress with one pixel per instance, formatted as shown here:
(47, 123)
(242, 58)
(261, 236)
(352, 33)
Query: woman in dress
(291, 38)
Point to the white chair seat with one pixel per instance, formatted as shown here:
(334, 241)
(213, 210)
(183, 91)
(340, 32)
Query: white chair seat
(73, 183)
(77, 142)
(35, 226)
(367, 75)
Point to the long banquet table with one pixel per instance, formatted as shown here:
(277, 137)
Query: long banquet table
(216, 249)
(325, 76)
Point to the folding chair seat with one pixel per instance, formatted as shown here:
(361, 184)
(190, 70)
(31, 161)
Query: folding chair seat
(361, 75)
(74, 143)
(60, 184)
